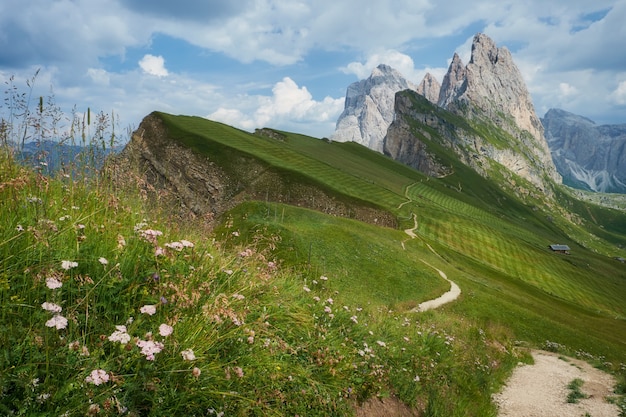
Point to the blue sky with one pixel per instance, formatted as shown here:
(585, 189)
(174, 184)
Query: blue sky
(286, 64)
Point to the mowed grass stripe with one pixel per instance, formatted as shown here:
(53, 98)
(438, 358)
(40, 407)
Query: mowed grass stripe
(272, 152)
(547, 271)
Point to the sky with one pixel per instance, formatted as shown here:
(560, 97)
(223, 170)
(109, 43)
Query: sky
(286, 64)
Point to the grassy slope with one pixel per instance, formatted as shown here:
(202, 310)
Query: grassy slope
(276, 338)
(493, 239)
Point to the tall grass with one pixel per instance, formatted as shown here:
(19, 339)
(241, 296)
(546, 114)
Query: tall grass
(111, 305)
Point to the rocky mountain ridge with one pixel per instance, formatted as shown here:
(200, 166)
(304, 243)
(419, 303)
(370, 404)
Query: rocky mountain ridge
(589, 156)
(193, 184)
(368, 109)
(489, 90)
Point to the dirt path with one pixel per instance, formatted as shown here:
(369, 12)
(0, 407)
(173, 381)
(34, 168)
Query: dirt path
(540, 390)
(446, 297)
(449, 295)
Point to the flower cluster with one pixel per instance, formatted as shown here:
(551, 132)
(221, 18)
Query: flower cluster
(149, 348)
(97, 377)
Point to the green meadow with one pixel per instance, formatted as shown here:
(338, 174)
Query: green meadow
(111, 305)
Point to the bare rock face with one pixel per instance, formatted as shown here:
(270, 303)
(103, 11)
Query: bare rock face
(187, 183)
(404, 145)
(587, 155)
(453, 82)
(492, 87)
(429, 88)
(368, 110)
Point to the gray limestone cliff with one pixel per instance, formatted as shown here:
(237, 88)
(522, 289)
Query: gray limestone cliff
(492, 88)
(429, 88)
(489, 93)
(495, 121)
(587, 155)
(368, 109)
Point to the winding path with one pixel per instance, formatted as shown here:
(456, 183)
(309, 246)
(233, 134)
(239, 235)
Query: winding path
(450, 295)
(446, 297)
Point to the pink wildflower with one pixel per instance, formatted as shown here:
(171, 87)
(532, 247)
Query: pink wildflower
(165, 330)
(175, 245)
(148, 309)
(196, 372)
(97, 377)
(150, 233)
(149, 348)
(327, 310)
(54, 308)
(187, 243)
(53, 283)
(120, 335)
(159, 251)
(238, 371)
(58, 321)
(68, 265)
(188, 355)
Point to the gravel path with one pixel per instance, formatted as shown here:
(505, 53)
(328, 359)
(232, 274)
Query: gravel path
(540, 390)
(448, 296)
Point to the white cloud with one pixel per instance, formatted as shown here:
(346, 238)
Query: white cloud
(567, 89)
(289, 107)
(396, 60)
(619, 95)
(153, 65)
(99, 76)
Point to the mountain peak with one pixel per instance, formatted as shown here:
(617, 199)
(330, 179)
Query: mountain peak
(484, 50)
(429, 88)
(382, 69)
(369, 107)
(453, 81)
(491, 86)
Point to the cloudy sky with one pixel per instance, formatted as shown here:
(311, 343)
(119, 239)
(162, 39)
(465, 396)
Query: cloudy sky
(286, 64)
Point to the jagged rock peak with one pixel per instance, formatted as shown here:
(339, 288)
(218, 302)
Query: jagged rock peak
(492, 86)
(453, 81)
(429, 88)
(369, 108)
(587, 155)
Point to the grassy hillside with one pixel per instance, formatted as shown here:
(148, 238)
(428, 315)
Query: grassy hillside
(468, 217)
(113, 306)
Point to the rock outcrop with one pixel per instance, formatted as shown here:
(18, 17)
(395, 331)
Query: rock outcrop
(492, 88)
(187, 182)
(587, 155)
(368, 109)
(489, 92)
(453, 83)
(409, 147)
(429, 88)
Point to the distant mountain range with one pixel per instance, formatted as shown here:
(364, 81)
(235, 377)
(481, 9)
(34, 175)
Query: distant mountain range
(587, 155)
(51, 156)
(488, 90)
(462, 115)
